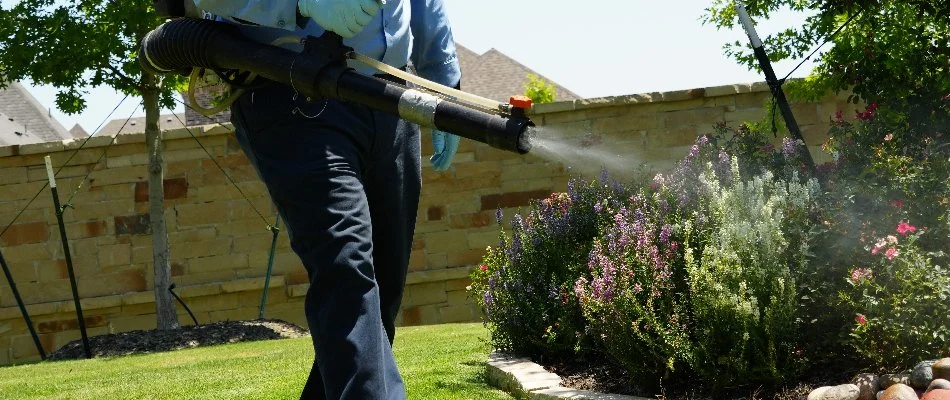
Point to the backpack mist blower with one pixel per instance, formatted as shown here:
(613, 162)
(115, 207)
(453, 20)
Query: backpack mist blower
(320, 71)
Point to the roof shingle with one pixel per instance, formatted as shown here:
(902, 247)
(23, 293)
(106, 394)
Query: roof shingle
(17, 103)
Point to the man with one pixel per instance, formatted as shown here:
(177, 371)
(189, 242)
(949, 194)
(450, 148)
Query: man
(345, 178)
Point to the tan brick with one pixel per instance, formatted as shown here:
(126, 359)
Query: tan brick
(480, 240)
(253, 243)
(233, 315)
(243, 209)
(27, 252)
(50, 270)
(437, 242)
(244, 285)
(631, 122)
(100, 211)
(24, 233)
(200, 214)
(23, 348)
(203, 248)
(436, 260)
(115, 255)
(174, 188)
(13, 175)
(126, 323)
(458, 297)
(458, 283)
(69, 324)
(218, 263)
(451, 314)
(129, 280)
(243, 227)
(298, 290)
(196, 277)
(224, 301)
(112, 176)
(466, 257)
(427, 293)
(512, 199)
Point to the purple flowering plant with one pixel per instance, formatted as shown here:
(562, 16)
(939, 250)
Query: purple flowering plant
(525, 284)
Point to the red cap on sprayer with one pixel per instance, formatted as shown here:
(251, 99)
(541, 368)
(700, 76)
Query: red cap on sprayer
(520, 101)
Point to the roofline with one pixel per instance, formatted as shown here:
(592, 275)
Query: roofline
(44, 112)
(560, 86)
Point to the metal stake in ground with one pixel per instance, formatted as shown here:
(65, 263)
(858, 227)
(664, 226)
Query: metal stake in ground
(774, 84)
(69, 259)
(19, 303)
(270, 265)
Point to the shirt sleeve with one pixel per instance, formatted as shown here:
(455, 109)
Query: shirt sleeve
(433, 48)
(273, 13)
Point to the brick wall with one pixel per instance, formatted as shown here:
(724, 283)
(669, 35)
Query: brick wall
(219, 245)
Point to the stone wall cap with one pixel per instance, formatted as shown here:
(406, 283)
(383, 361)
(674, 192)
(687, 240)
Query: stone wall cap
(652, 97)
(103, 141)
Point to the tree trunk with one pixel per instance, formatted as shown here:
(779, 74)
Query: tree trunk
(165, 312)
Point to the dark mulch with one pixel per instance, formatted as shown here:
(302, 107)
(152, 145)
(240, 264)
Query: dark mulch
(597, 374)
(151, 341)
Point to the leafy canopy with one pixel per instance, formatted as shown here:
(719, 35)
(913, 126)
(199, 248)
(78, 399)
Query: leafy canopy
(73, 44)
(895, 52)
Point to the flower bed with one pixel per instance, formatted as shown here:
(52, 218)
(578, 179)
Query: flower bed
(739, 268)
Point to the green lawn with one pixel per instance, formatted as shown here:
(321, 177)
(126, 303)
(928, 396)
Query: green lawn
(437, 362)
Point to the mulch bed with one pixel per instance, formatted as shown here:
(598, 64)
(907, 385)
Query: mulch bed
(151, 341)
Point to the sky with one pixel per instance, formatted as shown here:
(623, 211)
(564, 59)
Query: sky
(596, 48)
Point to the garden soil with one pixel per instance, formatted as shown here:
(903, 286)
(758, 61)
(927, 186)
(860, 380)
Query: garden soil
(151, 341)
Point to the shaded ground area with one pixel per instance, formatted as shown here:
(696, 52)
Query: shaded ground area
(151, 341)
(601, 376)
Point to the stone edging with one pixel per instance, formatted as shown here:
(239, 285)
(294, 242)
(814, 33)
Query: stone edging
(524, 379)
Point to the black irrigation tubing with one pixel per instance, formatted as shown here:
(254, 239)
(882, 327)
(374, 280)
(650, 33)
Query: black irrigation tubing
(105, 151)
(215, 161)
(20, 213)
(171, 289)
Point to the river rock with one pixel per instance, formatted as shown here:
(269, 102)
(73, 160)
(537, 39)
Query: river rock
(898, 391)
(941, 369)
(937, 394)
(939, 384)
(818, 393)
(922, 374)
(840, 392)
(867, 386)
(888, 380)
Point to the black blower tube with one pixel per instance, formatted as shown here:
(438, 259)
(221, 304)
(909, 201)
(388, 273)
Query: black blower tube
(180, 44)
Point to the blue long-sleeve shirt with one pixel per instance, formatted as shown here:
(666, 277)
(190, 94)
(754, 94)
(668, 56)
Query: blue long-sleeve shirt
(402, 31)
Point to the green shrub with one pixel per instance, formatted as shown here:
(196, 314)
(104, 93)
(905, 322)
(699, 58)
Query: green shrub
(525, 284)
(899, 302)
(742, 284)
(539, 90)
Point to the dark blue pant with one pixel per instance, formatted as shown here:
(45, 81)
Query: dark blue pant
(347, 184)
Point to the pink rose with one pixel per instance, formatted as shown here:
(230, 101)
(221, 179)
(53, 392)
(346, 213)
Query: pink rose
(891, 253)
(861, 319)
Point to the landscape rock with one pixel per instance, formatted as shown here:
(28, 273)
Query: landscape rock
(888, 380)
(941, 369)
(937, 394)
(818, 393)
(867, 386)
(922, 374)
(898, 391)
(939, 384)
(840, 392)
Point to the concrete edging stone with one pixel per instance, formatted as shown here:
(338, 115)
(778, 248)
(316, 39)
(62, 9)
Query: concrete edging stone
(527, 380)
